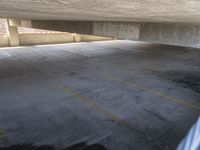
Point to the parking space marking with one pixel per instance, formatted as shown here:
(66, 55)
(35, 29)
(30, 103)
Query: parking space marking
(2, 133)
(97, 107)
(3, 137)
(154, 92)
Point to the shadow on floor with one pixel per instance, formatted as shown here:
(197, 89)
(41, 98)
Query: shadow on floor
(79, 146)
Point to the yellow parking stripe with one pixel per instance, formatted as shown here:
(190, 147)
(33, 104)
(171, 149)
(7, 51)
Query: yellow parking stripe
(154, 92)
(2, 133)
(99, 108)
(3, 137)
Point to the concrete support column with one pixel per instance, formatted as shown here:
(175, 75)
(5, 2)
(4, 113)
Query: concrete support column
(76, 37)
(12, 33)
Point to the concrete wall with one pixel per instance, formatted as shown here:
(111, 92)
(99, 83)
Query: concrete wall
(124, 30)
(173, 34)
(37, 39)
(87, 38)
(181, 34)
(81, 27)
(4, 40)
(13, 38)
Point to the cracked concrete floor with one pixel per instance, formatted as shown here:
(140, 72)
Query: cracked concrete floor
(122, 94)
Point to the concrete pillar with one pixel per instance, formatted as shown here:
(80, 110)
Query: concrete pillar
(12, 33)
(77, 37)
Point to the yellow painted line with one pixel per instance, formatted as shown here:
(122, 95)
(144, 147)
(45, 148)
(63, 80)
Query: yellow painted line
(99, 108)
(2, 133)
(133, 67)
(3, 137)
(154, 92)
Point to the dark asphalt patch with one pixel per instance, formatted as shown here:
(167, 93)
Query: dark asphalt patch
(185, 79)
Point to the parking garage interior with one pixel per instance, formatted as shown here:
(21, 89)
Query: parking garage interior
(61, 89)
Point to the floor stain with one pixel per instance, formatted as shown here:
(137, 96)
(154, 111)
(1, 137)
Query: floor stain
(72, 73)
(190, 79)
(154, 114)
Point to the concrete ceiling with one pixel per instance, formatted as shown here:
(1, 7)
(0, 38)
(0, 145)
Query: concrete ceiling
(104, 10)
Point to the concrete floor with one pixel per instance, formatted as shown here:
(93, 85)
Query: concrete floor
(125, 95)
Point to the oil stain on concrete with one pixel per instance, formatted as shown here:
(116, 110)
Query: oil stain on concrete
(186, 79)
